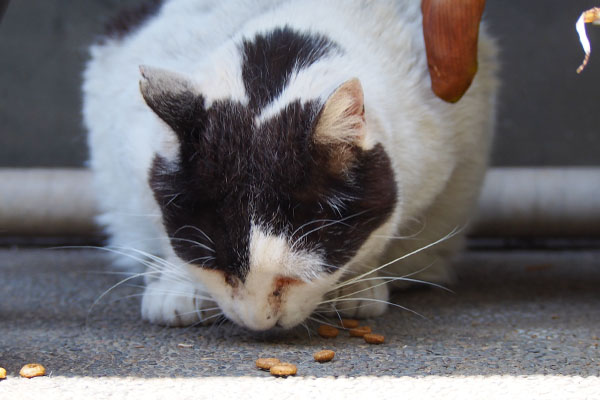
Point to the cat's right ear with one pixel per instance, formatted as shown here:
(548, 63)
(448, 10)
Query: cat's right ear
(341, 125)
(342, 119)
(172, 97)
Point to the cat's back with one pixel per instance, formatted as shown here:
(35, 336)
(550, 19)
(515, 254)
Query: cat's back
(175, 34)
(182, 34)
(201, 38)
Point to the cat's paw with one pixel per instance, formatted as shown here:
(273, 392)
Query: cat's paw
(364, 299)
(175, 304)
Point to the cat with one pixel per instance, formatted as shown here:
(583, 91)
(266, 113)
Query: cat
(269, 158)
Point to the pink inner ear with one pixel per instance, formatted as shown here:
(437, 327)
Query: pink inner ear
(354, 91)
(350, 95)
(343, 117)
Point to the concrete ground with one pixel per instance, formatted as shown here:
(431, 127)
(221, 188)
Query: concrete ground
(520, 324)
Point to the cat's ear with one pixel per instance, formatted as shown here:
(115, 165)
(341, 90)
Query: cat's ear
(342, 118)
(172, 97)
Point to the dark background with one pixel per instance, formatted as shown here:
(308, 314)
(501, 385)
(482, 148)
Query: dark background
(547, 116)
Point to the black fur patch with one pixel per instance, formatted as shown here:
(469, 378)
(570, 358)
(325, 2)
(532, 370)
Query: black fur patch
(274, 175)
(131, 18)
(270, 59)
(232, 173)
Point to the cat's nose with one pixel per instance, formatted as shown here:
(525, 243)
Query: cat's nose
(282, 283)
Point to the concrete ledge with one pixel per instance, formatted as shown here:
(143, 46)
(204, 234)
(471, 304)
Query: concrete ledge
(46, 202)
(551, 202)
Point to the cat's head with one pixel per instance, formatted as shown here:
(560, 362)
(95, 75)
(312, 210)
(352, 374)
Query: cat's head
(267, 212)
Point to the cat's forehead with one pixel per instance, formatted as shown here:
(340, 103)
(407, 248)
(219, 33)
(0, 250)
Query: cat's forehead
(235, 154)
(267, 69)
(270, 60)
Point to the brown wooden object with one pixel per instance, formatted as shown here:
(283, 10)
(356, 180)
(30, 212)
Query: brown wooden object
(451, 30)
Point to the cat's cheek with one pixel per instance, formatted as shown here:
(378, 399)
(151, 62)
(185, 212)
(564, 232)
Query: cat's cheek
(302, 301)
(297, 311)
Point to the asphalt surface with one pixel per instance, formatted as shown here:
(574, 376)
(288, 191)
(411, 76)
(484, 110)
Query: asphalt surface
(518, 323)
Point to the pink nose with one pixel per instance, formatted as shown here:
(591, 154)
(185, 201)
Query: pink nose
(282, 283)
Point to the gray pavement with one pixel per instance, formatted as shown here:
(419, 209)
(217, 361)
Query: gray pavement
(519, 322)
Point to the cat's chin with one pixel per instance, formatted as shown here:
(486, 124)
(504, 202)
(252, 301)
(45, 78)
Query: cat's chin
(250, 318)
(289, 322)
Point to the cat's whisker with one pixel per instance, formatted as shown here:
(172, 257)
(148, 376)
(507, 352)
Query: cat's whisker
(204, 259)
(160, 292)
(319, 314)
(200, 310)
(361, 290)
(125, 214)
(324, 322)
(454, 232)
(107, 249)
(332, 306)
(410, 237)
(315, 221)
(351, 308)
(203, 321)
(196, 229)
(195, 243)
(390, 279)
(221, 322)
(407, 237)
(140, 275)
(173, 197)
(375, 301)
(355, 280)
(135, 276)
(387, 280)
(336, 267)
(129, 296)
(214, 316)
(118, 273)
(305, 326)
(293, 246)
(154, 271)
(167, 270)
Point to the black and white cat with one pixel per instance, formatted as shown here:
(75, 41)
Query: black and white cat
(269, 155)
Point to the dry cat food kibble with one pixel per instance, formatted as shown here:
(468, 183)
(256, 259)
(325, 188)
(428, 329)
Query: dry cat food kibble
(373, 338)
(328, 331)
(350, 323)
(2, 373)
(283, 369)
(267, 363)
(360, 331)
(324, 355)
(32, 370)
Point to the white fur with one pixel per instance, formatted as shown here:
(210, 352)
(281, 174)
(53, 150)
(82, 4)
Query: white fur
(438, 150)
(253, 304)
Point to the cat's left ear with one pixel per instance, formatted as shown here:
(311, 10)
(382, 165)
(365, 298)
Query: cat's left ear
(172, 97)
(342, 118)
